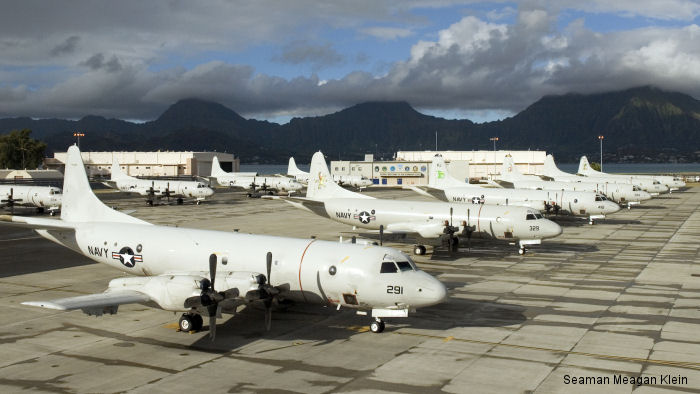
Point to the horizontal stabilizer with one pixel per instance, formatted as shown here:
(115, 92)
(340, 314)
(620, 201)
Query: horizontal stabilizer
(94, 304)
(37, 223)
(428, 192)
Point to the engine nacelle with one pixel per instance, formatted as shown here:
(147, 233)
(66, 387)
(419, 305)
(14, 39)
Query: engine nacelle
(171, 291)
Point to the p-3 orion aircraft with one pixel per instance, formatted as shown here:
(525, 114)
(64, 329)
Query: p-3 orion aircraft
(620, 192)
(206, 273)
(426, 221)
(357, 181)
(41, 197)
(588, 204)
(252, 181)
(651, 184)
(157, 189)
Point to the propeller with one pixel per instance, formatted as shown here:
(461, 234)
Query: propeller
(209, 298)
(11, 201)
(265, 292)
(151, 193)
(381, 235)
(253, 185)
(167, 192)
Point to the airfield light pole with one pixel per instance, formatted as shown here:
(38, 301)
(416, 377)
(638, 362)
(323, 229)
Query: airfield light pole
(494, 139)
(78, 135)
(600, 137)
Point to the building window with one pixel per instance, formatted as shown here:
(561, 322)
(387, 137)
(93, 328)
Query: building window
(376, 168)
(148, 168)
(336, 168)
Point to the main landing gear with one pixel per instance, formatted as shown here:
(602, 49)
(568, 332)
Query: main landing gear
(377, 325)
(190, 322)
(522, 250)
(419, 250)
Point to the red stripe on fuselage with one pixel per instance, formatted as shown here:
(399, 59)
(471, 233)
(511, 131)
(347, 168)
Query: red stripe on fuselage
(301, 261)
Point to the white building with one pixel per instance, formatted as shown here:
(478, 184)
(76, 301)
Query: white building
(413, 167)
(149, 163)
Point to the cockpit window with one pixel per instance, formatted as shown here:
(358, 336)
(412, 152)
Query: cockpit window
(404, 266)
(600, 198)
(539, 216)
(530, 216)
(388, 267)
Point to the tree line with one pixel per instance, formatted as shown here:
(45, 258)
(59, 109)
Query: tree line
(19, 151)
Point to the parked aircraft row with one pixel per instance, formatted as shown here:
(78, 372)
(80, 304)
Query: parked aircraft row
(357, 181)
(207, 273)
(203, 273)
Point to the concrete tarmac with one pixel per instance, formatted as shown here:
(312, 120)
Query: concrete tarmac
(614, 300)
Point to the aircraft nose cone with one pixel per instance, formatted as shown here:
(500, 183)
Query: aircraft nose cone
(431, 291)
(610, 207)
(553, 229)
(208, 192)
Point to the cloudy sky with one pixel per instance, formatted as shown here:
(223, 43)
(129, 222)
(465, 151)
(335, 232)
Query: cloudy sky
(278, 59)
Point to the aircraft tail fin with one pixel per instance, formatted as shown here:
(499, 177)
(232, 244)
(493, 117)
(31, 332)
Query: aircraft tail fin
(79, 203)
(116, 172)
(216, 169)
(550, 168)
(321, 185)
(292, 168)
(440, 177)
(509, 172)
(584, 167)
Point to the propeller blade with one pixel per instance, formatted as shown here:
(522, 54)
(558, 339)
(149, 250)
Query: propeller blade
(269, 267)
(212, 269)
(381, 235)
(450, 216)
(212, 326)
(268, 314)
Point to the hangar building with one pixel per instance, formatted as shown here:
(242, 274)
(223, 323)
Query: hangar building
(413, 167)
(148, 164)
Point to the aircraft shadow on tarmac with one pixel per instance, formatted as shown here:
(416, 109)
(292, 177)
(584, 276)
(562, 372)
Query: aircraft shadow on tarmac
(308, 323)
(569, 221)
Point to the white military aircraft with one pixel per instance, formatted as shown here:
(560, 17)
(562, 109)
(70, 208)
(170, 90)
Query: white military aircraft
(511, 177)
(651, 184)
(620, 192)
(41, 197)
(203, 272)
(430, 221)
(592, 205)
(356, 181)
(157, 189)
(253, 182)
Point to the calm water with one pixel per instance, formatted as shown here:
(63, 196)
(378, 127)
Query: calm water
(650, 168)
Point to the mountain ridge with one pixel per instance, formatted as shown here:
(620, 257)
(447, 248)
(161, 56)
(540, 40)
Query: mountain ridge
(636, 122)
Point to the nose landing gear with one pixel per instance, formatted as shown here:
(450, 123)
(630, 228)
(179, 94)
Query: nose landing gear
(377, 325)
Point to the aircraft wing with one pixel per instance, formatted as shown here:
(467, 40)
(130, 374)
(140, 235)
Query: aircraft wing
(37, 223)
(428, 191)
(94, 304)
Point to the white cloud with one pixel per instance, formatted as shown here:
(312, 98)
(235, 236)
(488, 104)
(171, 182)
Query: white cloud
(97, 57)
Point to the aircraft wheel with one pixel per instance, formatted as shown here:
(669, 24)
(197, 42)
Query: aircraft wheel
(521, 251)
(179, 201)
(52, 213)
(149, 203)
(377, 326)
(186, 324)
(197, 322)
(198, 202)
(419, 250)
